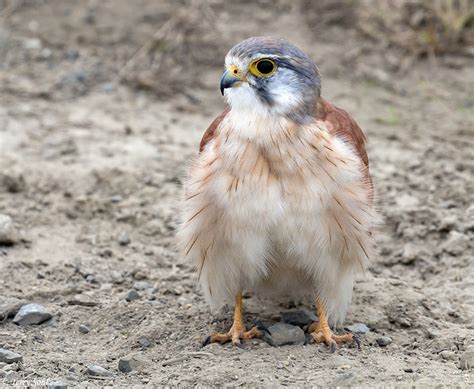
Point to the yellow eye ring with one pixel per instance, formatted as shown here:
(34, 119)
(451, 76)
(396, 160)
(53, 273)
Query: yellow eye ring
(262, 67)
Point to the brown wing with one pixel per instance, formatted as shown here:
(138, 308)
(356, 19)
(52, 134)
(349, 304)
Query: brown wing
(341, 124)
(211, 131)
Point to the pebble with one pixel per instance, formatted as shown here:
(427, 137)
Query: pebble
(298, 318)
(31, 314)
(130, 363)
(284, 334)
(456, 244)
(8, 356)
(384, 341)
(467, 359)
(132, 295)
(98, 371)
(448, 355)
(7, 231)
(358, 328)
(9, 307)
(123, 238)
(142, 285)
(144, 342)
(57, 385)
(12, 183)
(83, 329)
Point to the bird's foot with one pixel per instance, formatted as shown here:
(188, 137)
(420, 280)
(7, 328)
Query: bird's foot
(323, 334)
(236, 334)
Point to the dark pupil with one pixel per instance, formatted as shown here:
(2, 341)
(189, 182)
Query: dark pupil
(265, 67)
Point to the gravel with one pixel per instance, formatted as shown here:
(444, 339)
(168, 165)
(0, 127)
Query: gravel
(83, 329)
(123, 238)
(130, 363)
(132, 295)
(7, 231)
(31, 314)
(9, 307)
(358, 328)
(384, 341)
(283, 334)
(300, 318)
(98, 371)
(8, 356)
(467, 359)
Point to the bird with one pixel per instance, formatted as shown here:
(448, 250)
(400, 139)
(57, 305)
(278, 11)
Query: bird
(279, 201)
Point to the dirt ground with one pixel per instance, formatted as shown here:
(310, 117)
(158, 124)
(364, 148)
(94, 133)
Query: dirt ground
(94, 146)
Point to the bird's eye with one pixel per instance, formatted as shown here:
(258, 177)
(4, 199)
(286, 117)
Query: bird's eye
(263, 67)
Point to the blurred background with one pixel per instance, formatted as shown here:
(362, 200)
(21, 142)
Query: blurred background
(102, 106)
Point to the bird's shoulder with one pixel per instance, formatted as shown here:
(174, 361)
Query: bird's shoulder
(342, 125)
(211, 130)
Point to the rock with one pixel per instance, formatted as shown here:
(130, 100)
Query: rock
(144, 342)
(31, 314)
(7, 231)
(57, 385)
(346, 379)
(384, 341)
(456, 243)
(98, 371)
(448, 355)
(298, 318)
(83, 329)
(406, 201)
(9, 307)
(142, 285)
(8, 356)
(358, 328)
(130, 363)
(284, 334)
(12, 183)
(123, 238)
(467, 359)
(132, 295)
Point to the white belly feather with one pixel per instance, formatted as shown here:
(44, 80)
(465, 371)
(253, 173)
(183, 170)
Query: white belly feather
(286, 214)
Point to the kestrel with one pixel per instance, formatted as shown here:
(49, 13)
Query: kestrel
(279, 199)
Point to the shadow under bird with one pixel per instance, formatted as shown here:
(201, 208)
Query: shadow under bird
(279, 201)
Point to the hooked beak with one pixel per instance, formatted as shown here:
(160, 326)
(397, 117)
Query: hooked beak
(228, 80)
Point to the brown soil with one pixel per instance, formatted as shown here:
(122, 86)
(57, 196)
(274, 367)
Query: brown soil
(94, 144)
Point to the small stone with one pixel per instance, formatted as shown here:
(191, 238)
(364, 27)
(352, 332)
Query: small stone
(83, 329)
(7, 232)
(384, 341)
(8, 356)
(12, 183)
(408, 370)
(57, 385)
(31, 314)
(142, 285)
(116, 199)
(467, 359)
(456, 243)
(298, 318)
(284, 334)
(9, 307)
(98, 371)
(358, 328)
(123, 238)
(130, 363)
(448, 355)
(132, 295)
(144, 342)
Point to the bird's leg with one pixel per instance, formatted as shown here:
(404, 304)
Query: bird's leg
(321, 333)
(237, 331)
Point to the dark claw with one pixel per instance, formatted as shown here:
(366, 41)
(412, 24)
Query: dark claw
(262, 327)
(356, 340)
(332, 347)
(206, 342)
(238, 344)
(308, 339)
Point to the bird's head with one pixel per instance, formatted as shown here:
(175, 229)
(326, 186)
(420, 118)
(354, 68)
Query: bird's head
(271, 76)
